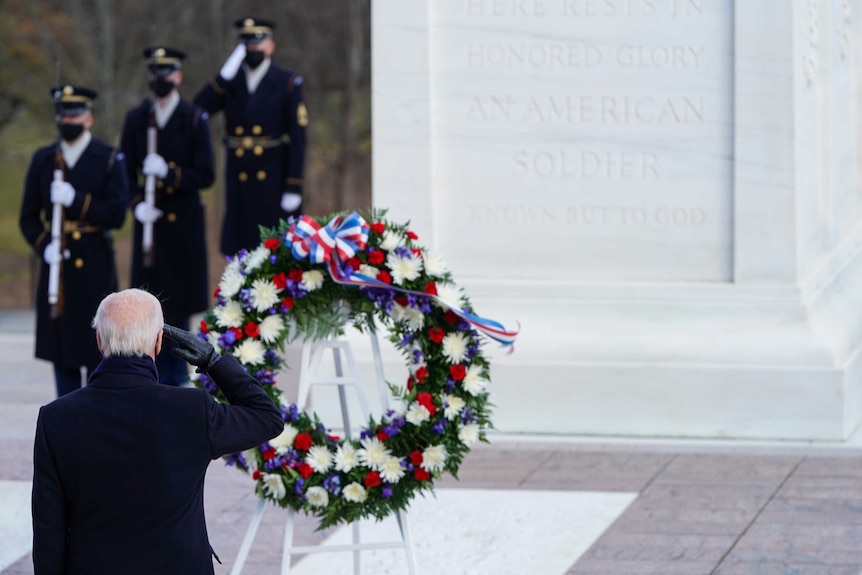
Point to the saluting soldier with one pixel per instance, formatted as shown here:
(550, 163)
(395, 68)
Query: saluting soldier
(265, 121)
(182, 165)
(94, 196)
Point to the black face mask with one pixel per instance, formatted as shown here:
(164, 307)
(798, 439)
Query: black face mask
(161, 87)
(70, 132)
(254, 58)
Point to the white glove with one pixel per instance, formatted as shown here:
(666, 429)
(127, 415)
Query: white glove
(155, 165)
(290, 201)
(52, 253)
(146, 214)
(62, 193)
(233, 62)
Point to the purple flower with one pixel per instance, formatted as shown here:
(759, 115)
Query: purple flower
(386, 491)
(290, 412)
(273, 259)
(227, 339)
(207, 383)
(450, 384)
(365, 434)
(403, 252)
(332, 484)
(439, 427)
(407, 339)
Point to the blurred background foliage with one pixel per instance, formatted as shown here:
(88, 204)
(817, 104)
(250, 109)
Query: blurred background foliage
(98, 43)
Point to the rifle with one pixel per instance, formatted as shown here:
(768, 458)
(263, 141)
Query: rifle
(150, 193)
(55, 272)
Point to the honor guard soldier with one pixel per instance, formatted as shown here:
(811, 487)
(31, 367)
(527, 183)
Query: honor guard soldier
(172, 264)
(75, 193)
(265, 121)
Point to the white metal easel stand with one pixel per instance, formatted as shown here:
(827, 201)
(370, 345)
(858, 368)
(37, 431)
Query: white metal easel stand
(310, 375)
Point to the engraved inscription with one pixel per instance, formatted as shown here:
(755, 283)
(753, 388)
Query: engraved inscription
(656, 217)
(566, 164)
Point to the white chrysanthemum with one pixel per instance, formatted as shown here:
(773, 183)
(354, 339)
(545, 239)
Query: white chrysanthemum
(346, 457)
(368, 270)
(391, 240)
(212, 338)
(255, 258)
(403, 269)
(284, 440)
(434, 265)
(250, 456)
(312, 279)
(453, 406)
(454, 347)
(469, 433)
(373, 453)
(271, 327)
(319, 458)
(449, 293)
(231, 282)
(417, 414)
(391, 470)
(317, 496)
(355, 492)
(264, 294)
(434, 457)
(473, 380)
(413, 319)
(229, 314)
(397, 313)
(273, 485)
(250, 352)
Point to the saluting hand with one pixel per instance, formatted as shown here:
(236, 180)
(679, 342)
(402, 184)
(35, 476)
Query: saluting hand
(191, 348)
(232, 64)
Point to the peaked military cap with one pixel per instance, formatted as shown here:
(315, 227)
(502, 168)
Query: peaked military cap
(253, 30)
(163, 60)
(72, 100)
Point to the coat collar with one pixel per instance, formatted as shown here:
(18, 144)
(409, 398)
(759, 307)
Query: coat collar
(124, 372)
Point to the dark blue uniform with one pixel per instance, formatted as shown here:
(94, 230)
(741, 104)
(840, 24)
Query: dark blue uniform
(89, 274)
(179, 274)
(265, 150)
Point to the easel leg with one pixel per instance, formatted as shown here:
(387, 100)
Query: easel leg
(288, 542)
(408, 542)
(249, 537)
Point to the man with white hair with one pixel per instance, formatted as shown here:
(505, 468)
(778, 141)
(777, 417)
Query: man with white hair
(119, 465)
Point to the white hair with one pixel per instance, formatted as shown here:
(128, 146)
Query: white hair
(128, 323)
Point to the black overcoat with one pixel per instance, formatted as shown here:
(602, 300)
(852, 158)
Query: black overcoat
(265, 140)
(178, 276)
(89, 273)
(119, 468)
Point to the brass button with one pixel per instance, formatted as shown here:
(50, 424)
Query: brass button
(240, 152)
(261, 175)
(76, 235)
(243, 176)
(256, 130)
(79, 263)
(258, 150)
(247, 142)
(160, 185)
(172, 217)
(238, 131)
(172, 165)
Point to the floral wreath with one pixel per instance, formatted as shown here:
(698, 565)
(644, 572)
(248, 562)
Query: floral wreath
(308, 279)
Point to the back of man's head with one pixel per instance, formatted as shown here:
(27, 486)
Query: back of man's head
(128, 323)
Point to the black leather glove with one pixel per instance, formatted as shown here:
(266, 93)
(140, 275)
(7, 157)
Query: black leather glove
(191, 348)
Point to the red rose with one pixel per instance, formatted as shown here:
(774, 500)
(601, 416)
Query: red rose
(410, 381)
(378, 227)
(402, 300)
(256, 475)
(436, 334)
(426, 401)
(216, 291)
(280, 280)
(416, 251)
(295, 275)
(269, 454)
(271, 243)
(382, 435)
(430, 288)
(450, 317)
(376, 257)
(411, 235)
(354, 263)
(372, 479)
(305, 470)
(303, 441)
(237, 332)
(287, 302)
(457, 372)
(384, 277)
(421, 374)
(421, 474)
(251, 329)
(416, 458)
(204, 328)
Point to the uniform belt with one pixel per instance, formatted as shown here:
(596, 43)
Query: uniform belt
(70, 226)
(249, 142)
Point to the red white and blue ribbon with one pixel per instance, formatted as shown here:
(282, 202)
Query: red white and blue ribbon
(344, 235)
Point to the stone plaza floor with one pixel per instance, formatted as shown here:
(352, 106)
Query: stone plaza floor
(597, 506)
